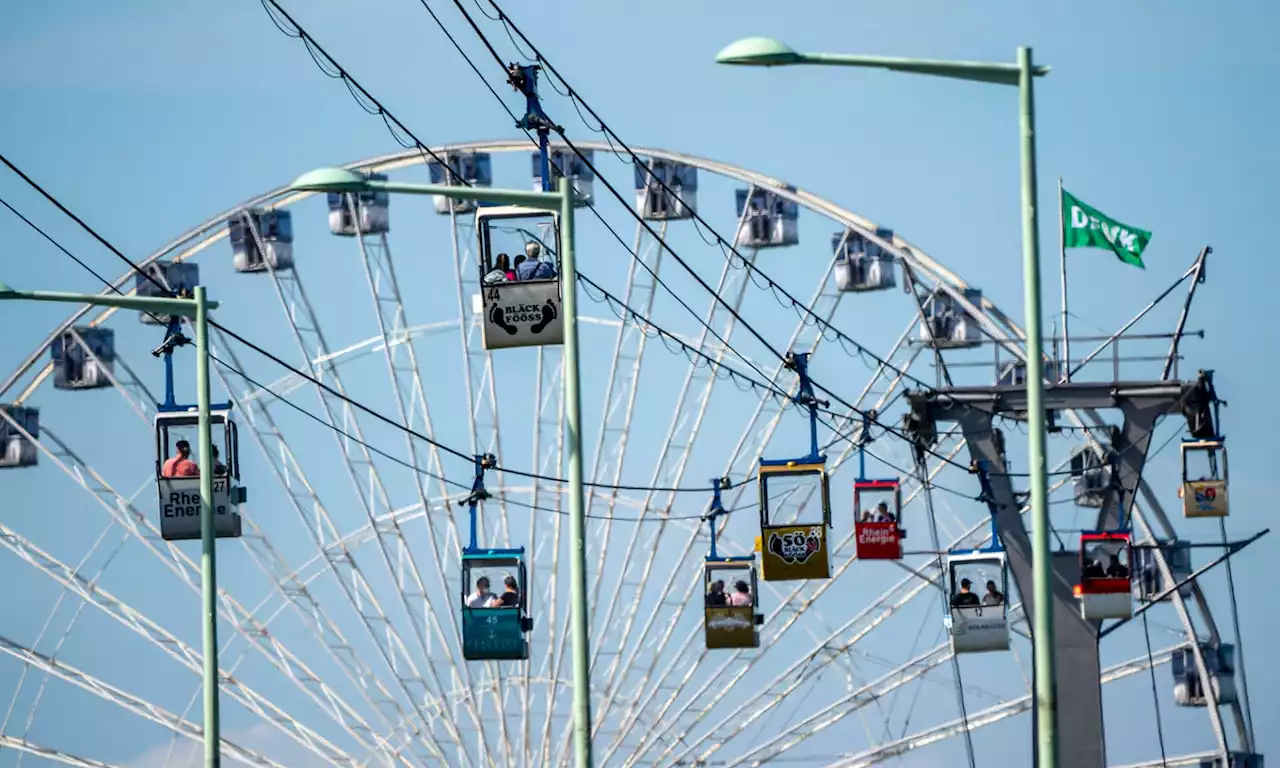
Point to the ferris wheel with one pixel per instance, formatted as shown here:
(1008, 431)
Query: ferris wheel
(349, 576)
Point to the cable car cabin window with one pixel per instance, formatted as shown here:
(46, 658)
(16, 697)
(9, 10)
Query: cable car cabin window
(658, 204)
(730, 604)
(862, 265)
(794, 521)
(475, 168)
(178, 277)
(1104, 588)
(1149, 583)
(768, 220)
(566, 163)
(1219, 662)
(83, 358)
(877, 505)
(15, 449)
(1204, 479)
(520, 277)
(494, 608)
(978, 603)
(179, 465)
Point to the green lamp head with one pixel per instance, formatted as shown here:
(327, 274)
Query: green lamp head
(330, 180)
(757, 52)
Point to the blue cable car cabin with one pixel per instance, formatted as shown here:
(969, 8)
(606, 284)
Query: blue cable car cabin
(1204, 479)
(1149, 582)
(768, 220)
(178, 277)
(178, 468)
(519, 277)
(862, 264)
(946, 325)
(655, 202)
(977, 614)
(1104, 588)
(371, 215)
(15, 449)
(495, 607)
(1091, 477)
(877, 509)
(565, 163)
(1219, 662)
(261, 241)
(475, 168)
(83, 358)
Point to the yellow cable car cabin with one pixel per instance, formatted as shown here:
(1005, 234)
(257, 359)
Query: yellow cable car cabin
(731, 600)
(1204, 479)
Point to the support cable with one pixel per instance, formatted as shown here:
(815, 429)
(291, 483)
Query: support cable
(1155, 691)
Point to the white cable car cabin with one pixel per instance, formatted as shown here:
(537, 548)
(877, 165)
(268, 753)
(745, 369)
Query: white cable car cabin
(1149, 583)
(519, 277)
(371, 215)
(977, 619)
(475, 168)
(178, 471)
(566, 163)
(1204, 479)
(1104, 588)
(1090, 477)
(946, 325)
(1219, 662)
(861, 264)
(83, 358)
(731, 603)
(16, 450)
(767, 219)
(177, 276)
(654, 202)
(261, 240)
(877, 527)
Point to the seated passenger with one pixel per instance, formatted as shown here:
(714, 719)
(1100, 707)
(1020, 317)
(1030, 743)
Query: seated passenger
(181, 465)
(533, 268)
(515, 265)
(1094, 570)
(866, 516)
(741, 594)
(499, 273)
(219, 469)
(993, 595)
(510, 597)
(716, 597)
(482, 597)
(1116, 570)
(883, 515)
(964, 598)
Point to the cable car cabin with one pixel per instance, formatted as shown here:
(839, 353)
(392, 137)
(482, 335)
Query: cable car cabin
(520, 277)
(1014, 374)
(566, 163)
(656, 203)
(861, 264)
(178, 277)
(178, 468)
(977, 618)
(1219, 662)
(731, 603)
(792, 549)
(1104, 588)
(474, 167)
(1090, 477)
(768, 220)
(371, 215)
(15, 449)
(1204, 479)
(1234, 760)
(495, 607)
(877, 505)
(83, 358)
(946, 325)
(1149, 583)
(261, 239)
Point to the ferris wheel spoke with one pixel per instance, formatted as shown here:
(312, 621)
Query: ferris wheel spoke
(50, 754)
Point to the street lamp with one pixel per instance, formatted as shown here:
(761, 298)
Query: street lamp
(343, 181)
(765, 52)
(197, 310)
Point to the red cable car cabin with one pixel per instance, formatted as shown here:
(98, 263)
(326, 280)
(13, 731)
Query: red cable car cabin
(1104, 588)
(877, 506)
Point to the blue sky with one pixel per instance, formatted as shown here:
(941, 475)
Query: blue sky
(149, 117)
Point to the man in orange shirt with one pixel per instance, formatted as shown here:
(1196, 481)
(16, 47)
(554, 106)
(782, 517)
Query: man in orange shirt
(181, 465)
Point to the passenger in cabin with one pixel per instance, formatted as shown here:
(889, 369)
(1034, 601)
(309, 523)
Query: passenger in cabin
(180, 464)
(716, 597)
(883, 515)
(1094, 570)
(499, 273)
(866, 517)
(510, 597)
(515, 265)
(219, 469)
(993, 595)
(965, 598)
(1116, 569)
(533, 267)
(482, 597)
(741, 594)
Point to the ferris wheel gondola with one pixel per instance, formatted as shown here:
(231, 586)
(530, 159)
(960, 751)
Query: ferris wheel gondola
(731, 601)
(862, 265)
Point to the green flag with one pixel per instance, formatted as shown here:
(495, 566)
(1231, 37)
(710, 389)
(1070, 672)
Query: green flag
(1087, 227)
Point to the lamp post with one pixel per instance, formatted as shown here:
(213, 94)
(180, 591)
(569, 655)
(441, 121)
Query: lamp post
(197, 310)
(344, 181)
(764, 52)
